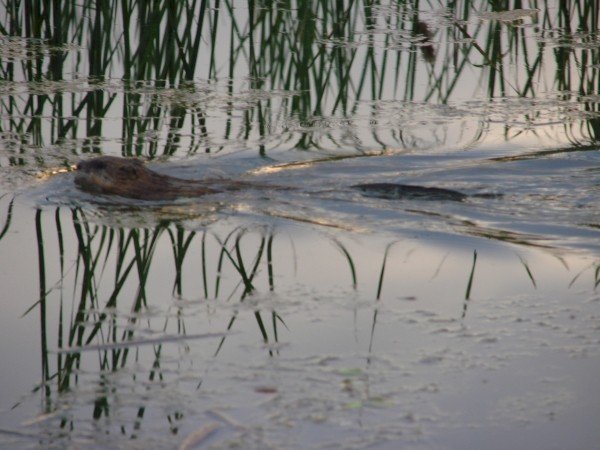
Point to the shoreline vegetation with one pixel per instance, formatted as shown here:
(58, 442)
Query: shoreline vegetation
(199, 76)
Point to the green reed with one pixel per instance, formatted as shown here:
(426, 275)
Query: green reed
(595, 268)
(349, 259)
(323, 51)
(110, 265)
(525, 265)
(8, 217)
(235, 256)
(378, 295)
(113, 270)
(469, 285)
(180, 244)
(42, 302)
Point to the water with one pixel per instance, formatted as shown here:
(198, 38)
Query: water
(306, 315)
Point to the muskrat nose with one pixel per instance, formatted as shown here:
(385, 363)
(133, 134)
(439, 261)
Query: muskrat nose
(80, 166)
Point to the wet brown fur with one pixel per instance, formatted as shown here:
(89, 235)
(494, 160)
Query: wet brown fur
(129, 177)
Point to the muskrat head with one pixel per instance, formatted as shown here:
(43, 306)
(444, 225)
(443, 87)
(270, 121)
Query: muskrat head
(109, 174)
(129, 177)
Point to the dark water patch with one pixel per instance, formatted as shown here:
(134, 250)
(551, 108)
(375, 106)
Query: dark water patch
(394, 191)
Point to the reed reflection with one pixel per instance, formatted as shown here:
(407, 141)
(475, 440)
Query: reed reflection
(348, 82)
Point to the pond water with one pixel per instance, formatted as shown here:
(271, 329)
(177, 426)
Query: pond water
(299, 312)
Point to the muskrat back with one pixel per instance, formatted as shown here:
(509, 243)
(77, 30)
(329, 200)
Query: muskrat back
(129, 177)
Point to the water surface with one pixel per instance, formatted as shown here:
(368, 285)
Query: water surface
(310, 316)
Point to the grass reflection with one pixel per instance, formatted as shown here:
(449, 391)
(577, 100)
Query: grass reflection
(98, 321)
(8, 216)
(469, 285)
(115, 323)
(595, 269)
(201, 75)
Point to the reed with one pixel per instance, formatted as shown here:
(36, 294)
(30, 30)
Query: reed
(469, 285)
(334, 57)
(285, 74)
(349, 259)
(94, 322)
(528, 271)
(8, 217)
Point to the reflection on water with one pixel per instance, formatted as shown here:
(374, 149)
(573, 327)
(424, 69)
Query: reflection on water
(366, 78)
(310, 316)
(248, 326)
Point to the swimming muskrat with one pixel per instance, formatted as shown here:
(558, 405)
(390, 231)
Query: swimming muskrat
(129, 177)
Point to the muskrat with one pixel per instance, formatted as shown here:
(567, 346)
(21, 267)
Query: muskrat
(129, 177)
